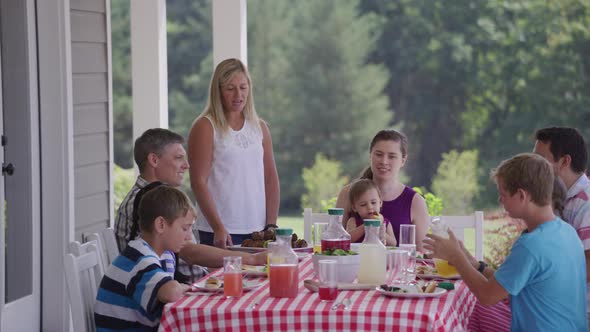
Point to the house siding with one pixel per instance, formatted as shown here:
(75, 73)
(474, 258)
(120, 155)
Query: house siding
(91, 100)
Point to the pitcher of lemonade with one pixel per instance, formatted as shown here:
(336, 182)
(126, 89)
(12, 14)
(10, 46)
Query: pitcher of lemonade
(443, 267)
(373, 255)
(284, 270)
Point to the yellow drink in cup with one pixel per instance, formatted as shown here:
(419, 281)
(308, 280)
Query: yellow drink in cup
(444, 269)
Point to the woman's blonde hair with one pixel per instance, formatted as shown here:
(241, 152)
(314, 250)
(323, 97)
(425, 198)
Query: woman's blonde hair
(224, 72)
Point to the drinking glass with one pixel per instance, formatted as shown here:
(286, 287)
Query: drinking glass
(318, 228)
(232, 276)
(443, 267)
(397, 260)
(407, 241)
(328, 275)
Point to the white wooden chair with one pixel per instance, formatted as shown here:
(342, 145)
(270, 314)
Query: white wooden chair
(309, 218)
(78, 249)
(458, 225)
(107, 245)
(110, 243)
(83, 274)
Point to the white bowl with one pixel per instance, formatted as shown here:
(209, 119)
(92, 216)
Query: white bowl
(348, 266)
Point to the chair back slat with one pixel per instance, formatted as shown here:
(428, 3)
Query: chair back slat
(83, 273)
(459, 223)
(110, 244)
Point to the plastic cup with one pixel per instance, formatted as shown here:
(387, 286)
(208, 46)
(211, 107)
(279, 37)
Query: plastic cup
(328, 275)
(318, 228)
(232, 276)
(443, 268)
(397, 260)
(407, 241)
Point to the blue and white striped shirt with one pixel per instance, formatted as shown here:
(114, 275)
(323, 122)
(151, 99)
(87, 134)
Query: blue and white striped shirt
(127, 296)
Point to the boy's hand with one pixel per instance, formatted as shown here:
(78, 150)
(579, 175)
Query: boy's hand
(440, 247)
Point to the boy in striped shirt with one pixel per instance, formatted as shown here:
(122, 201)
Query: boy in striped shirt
(141, 279)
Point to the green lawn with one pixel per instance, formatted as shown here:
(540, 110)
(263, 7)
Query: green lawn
(296, 223)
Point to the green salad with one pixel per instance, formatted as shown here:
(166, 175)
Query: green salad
(336, 252)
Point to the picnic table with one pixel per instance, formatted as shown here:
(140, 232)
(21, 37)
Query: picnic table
(369, 310)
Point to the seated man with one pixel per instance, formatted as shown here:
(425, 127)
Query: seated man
(136, 286)
(545, 272)
(160, 156)
(565, 149)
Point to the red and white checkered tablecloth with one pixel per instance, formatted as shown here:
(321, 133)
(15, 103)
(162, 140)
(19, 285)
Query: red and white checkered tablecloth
(370, 311)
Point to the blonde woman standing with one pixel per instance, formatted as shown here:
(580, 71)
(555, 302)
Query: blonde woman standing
(232, 168)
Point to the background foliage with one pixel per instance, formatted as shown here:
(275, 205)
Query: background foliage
(453, 75)
(455, 181)
(322, 184)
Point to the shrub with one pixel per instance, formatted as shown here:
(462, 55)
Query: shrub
(456, 181)
(434, 203)
(322, 182)
(499, 240)
(123, 181)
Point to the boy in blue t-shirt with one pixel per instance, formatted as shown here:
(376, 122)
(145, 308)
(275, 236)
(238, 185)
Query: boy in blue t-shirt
(141, 279)
(545, 272)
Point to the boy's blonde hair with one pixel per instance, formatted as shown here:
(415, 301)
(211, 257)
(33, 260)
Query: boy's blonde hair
(163, 201)
(529, 172)
(360, 187)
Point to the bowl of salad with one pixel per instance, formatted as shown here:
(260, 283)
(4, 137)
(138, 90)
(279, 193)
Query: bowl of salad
(348, 263)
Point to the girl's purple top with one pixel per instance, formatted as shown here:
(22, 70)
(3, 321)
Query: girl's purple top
(398, 211)
(359, 221)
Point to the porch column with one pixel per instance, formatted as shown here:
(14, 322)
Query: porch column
(149, 71)
(230, 39)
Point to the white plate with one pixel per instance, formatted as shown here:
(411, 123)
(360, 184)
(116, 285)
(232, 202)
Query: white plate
(254, 270)
(247, 286)
(412, 292)
(238, 247)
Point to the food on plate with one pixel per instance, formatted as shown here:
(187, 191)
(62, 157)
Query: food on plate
(427, 287)
(393, 289)
(426, 269)
(212, 283)
(261, 238)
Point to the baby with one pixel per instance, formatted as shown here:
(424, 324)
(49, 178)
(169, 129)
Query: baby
(365, 202)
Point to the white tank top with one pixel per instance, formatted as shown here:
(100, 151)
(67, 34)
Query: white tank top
(236, 181)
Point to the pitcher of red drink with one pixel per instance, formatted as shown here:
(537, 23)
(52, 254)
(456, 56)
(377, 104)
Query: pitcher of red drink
(284, 271)
(335, 236)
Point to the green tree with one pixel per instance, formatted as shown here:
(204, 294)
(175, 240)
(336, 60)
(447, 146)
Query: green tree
(456, 181)
(325, 97)
(121, 69)
(190, 60)
(322, 183)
